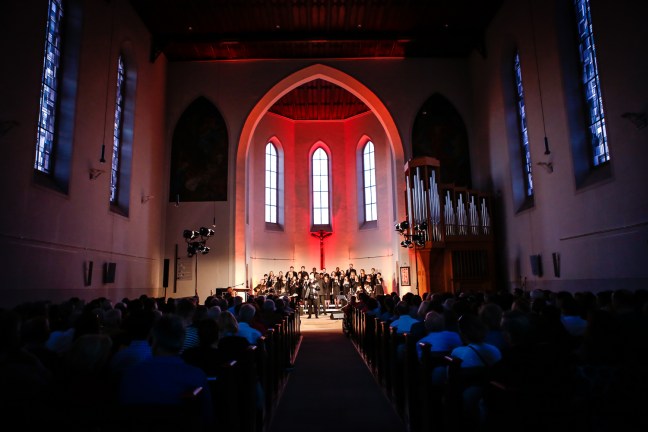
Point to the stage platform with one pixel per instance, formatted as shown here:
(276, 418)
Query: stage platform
(331, 313)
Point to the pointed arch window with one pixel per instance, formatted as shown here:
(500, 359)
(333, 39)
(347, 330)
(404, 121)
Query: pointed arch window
(595, 116)
(369, 182)
(320, 187)
(522, 125)
(50, 87)
(271, 181)
(115, 170)
(58, 95)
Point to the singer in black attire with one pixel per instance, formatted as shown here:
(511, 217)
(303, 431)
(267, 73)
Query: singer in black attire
(311, 296)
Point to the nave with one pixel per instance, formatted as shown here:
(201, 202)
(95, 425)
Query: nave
(331, 388)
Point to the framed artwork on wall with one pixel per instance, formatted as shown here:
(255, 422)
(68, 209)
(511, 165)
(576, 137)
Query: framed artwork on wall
(405, 276)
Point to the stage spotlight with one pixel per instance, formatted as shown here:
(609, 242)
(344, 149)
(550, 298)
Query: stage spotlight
(421, 227)
(206, 232)
(196, 240)
(406, 243)
(402, 226)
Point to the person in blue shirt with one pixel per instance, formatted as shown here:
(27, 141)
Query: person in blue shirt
(165, 378)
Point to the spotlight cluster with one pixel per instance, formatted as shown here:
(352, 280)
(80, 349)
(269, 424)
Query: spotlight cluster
(401, 227)
(196, 240)
(412, 240)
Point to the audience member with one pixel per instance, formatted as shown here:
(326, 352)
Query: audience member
(141, 384)
(245, 317)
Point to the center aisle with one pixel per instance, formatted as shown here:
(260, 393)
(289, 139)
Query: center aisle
(331, 388)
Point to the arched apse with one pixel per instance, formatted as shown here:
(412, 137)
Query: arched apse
(292, 81)
(199, 154)
(440, 132)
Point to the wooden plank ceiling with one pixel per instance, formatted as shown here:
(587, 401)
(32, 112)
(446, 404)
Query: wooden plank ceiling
(244, 30)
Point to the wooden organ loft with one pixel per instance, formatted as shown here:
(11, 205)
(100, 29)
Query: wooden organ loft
(448, 232)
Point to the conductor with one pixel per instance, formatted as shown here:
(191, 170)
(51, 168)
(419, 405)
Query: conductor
(311, 295)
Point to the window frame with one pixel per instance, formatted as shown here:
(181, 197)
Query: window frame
(590, 83)
(526, 163)
(61, 136)
(118, 131)
(327, 226)
(371, 188)
(271, 174)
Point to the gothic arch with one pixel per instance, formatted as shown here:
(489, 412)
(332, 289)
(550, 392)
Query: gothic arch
(284, 86)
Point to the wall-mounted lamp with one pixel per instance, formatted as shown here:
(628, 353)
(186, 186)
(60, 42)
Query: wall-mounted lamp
(95, 173)
(638, 119)
(546, 165)
(146, 198)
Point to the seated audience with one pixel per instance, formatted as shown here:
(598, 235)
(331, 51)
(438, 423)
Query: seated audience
(138, 327)
(230, 344)
(165, 378)
(404, 320)
(491, 315)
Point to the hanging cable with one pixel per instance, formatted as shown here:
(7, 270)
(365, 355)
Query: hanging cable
(535, 54)
(103, 144)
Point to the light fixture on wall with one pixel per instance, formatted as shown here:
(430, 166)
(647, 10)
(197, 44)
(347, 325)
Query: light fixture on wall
(546, 165)
(146, 198)
(95, 173)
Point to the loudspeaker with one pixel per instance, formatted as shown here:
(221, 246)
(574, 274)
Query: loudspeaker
(88, 273)
(109, 272)
(165, 273)
(556, 263)
(536, 265)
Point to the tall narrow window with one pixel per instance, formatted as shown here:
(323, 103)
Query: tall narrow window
(117, 133)
(320, 187)
(522, 124)
(591, 84)
(271, 174)
(50, 87)
(369, 182)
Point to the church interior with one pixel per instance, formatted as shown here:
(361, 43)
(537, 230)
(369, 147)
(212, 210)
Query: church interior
(481, 109)
(471, 152)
